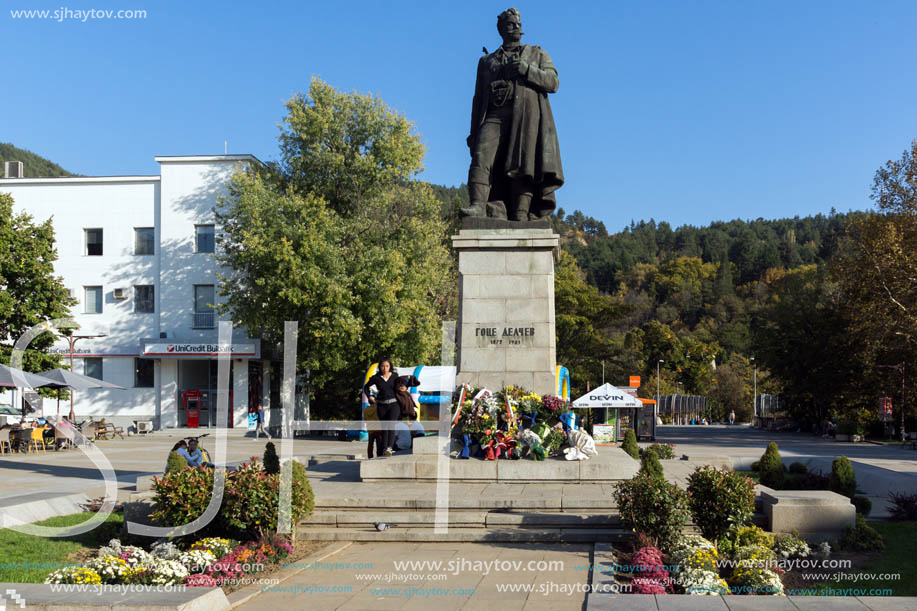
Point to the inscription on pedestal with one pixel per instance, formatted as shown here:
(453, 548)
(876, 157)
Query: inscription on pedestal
(504, 336)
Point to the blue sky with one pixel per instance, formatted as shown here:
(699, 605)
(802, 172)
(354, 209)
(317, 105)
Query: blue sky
(687, 112)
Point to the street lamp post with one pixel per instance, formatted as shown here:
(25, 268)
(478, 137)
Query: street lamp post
(72, 339)
(754, 406)
(659, 362)
(678, 400)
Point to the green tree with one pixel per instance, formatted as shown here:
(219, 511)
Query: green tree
(340, 237)
(803, 338)
(730, 390)
(582, 320)
(31, 292)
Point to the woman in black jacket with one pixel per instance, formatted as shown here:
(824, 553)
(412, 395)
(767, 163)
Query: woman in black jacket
(385, 401)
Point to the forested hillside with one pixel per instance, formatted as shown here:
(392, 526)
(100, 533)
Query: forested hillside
(33, 165)
(691, 297)
(822, 308)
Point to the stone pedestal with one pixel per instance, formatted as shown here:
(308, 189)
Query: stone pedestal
(506, 308)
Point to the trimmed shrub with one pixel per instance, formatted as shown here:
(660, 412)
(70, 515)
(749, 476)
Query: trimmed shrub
(250, 504)
(271, 460)
(630, 444)
(842, 479)
(771, 467)
(176, 462)
(863, 505)
(799, 467)
(182, 496)
(902, 506)
(250, 499)
(756, 466)
(861, 538)
(650, 465)
(665, 451)
(654, 507)
(720, 500)
(302, 490)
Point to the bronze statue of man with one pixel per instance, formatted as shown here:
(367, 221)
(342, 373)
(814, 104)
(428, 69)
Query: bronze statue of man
(515, 159)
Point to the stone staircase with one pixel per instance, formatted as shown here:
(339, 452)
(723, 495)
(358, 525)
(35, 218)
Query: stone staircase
(501, 501)
(480, 513)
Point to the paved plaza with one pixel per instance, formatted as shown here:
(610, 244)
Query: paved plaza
(380, 584)
(462, 582)
(45, 475)
(879, 469)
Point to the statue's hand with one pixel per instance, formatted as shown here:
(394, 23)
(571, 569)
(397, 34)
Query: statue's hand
(517, 68)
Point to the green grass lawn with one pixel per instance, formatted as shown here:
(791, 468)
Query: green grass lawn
(20, 554)
(897, 558)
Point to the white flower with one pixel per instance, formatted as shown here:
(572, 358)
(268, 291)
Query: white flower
(701, 582)
(198, 560)
(789, 546)
(167, 572)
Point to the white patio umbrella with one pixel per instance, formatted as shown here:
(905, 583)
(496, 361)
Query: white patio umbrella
(10, 377)
(74, 381)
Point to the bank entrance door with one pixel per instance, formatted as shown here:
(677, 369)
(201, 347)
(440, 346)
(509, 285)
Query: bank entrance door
(201, 376)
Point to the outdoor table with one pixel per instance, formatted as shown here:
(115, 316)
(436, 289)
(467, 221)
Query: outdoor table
(20, 438)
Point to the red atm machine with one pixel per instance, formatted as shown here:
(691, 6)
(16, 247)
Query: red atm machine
(191, 399)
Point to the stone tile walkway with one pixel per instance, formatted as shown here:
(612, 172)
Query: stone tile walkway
(459, 585)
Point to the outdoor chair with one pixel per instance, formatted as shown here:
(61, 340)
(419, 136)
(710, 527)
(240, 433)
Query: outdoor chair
(89, 430)
(60, 440)
(37, 439)
(5, 440)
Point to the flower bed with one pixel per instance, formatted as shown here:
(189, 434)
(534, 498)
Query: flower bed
(207, 563)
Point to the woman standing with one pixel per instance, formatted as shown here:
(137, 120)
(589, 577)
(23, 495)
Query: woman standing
(385, 401)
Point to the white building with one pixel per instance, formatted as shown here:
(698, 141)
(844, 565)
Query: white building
(137, 252)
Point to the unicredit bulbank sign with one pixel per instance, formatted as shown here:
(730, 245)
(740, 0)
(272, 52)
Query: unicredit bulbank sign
(178, 349)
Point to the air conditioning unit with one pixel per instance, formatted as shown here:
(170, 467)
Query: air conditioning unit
(143, 426)
(120, 293)
(13, 169)
(71, 293)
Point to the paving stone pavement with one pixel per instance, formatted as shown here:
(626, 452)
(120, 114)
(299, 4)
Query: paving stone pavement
(461, 585)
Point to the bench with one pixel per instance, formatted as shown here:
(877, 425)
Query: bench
(108, 431)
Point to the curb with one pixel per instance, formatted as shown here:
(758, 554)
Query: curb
(244, 595)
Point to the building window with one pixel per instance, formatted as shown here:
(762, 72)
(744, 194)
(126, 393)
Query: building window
(92, 299)
(143, 373)
(94, 242)
(204, 238)
(143, 241)
(204, 296)
(92, 367)
(144, 298)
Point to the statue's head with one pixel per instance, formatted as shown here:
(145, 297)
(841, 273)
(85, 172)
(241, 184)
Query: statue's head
(509, 24)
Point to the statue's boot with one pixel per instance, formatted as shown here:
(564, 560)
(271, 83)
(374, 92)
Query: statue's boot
(478, 193)
(523, 202)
